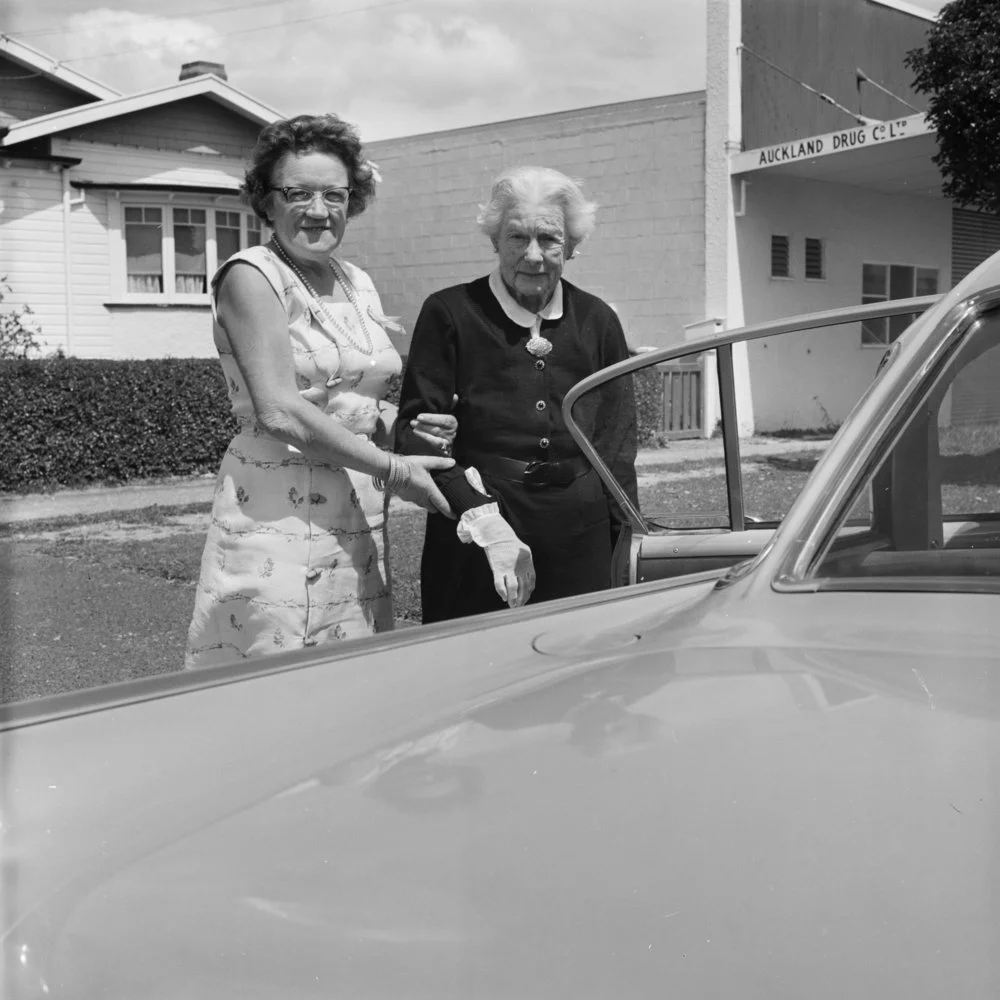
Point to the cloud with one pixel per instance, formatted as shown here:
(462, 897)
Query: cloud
(135, 51)
(437, 64)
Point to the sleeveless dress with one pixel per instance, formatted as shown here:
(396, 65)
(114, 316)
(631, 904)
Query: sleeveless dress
(297, 551)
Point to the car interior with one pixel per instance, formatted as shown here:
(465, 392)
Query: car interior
(931, 510)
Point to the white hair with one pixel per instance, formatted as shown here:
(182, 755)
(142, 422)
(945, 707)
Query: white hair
(543, 186)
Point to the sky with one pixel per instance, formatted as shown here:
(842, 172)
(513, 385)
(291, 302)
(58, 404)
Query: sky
(393, 67)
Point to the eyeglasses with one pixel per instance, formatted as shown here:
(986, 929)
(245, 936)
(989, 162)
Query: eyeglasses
(301, 197)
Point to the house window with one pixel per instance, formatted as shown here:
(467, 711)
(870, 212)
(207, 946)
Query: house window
(190, 276)
(227, 234)
(815, 265)
(780, 257)
(144, 249)
(882, 282)
(171, 250)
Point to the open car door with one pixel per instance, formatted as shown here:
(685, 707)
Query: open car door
(712, 509)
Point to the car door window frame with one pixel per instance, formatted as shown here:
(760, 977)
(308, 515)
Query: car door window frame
(722, 345)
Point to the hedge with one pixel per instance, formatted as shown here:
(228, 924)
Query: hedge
(77, 422)
(649, 404)
(73, 422)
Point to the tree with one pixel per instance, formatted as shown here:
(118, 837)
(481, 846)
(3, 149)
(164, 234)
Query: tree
(18, 329)
(959, 68)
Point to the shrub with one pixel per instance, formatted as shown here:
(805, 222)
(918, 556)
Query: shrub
(73, 422)
(18, 328)
(649, 404)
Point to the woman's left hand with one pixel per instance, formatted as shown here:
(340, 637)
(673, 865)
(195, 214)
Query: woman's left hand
(436, 429)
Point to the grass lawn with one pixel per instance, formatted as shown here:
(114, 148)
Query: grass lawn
(93, 601)
(167, 543)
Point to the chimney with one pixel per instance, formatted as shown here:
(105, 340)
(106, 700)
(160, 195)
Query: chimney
(202, 66)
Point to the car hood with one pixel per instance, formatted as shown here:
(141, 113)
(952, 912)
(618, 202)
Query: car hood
(546, 808)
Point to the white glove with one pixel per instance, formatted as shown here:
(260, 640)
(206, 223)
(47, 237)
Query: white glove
(509, 558)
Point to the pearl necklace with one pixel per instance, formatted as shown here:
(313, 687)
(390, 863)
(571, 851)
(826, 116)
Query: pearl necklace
(368, 347)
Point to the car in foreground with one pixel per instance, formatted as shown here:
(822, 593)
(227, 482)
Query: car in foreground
(766, 766)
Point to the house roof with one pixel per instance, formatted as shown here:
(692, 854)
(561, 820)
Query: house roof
(206, 85)
(46, 66)
(907, 8)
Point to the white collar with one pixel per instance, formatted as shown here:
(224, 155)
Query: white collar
(516, 313)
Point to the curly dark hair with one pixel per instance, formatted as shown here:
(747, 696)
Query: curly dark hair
(307, 134)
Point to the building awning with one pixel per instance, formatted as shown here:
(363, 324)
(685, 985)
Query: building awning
(12, 158)
(893, 157)
(179, 188)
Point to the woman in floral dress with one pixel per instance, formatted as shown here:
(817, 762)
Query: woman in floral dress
(296, 554)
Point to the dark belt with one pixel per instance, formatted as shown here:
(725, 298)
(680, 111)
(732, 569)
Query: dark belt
(530, 473)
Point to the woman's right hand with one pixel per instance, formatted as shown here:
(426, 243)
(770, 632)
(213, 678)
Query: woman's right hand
(422, 489)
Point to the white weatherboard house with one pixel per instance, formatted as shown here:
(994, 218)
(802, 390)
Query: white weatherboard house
(115, 209)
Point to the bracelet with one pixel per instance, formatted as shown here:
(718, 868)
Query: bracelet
(379, 481)
(396, 479)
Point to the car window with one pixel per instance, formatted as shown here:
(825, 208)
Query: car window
(802, 385)
(680, 473)
(929, 515)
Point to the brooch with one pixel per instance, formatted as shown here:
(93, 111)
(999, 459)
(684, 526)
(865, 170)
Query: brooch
(538, 347)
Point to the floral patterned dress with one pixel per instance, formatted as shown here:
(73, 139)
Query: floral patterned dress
(296, 553)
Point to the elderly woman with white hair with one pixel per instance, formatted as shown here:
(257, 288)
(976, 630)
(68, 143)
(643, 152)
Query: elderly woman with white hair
(536, 522)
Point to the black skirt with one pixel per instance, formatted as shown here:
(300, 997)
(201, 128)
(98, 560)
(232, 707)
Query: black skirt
(567, 528)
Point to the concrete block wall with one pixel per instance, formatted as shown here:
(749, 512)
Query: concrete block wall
(642, 161)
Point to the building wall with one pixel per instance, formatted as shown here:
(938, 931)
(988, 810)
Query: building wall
(812, 379)
(31, 243)
(83, 312)
(179, 126)
(89, 336)
(822, 43)
(108, 164)
(160, 332)
(643, 161)
(25, 96)
(32, 258)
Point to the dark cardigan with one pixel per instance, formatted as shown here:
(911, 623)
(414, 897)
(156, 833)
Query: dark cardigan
(510, 405)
